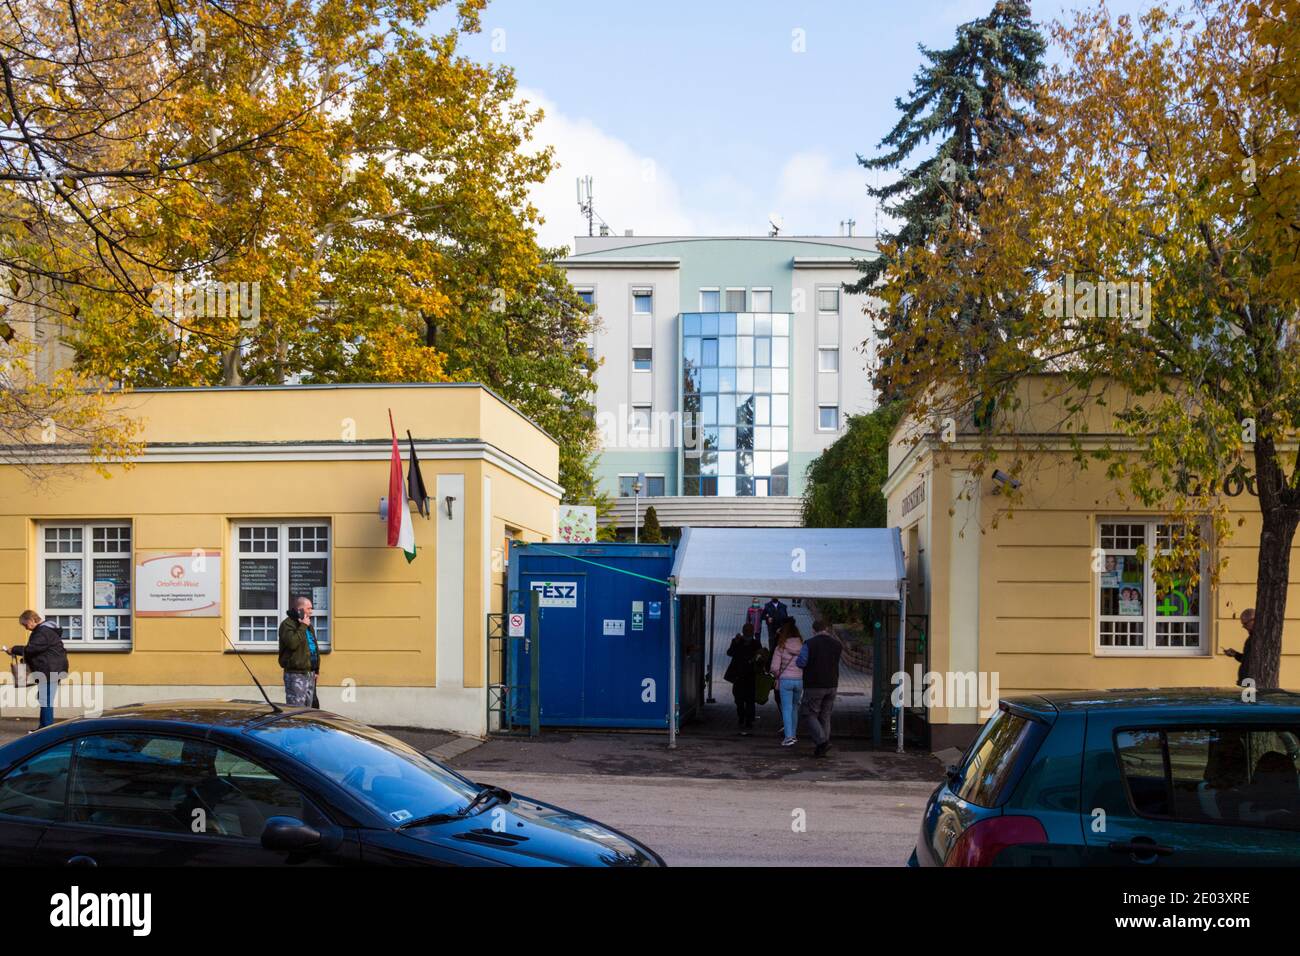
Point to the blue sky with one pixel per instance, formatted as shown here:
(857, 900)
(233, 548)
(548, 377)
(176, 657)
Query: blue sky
(705, 116)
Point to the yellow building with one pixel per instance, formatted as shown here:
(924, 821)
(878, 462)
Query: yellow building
(244, 497)
(1053, 597)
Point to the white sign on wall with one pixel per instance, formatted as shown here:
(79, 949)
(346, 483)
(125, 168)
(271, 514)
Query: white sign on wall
(516, 625)
(556, 593)
(178, 583)
(615, 628)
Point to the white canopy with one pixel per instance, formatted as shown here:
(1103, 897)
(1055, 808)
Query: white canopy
(856, 563)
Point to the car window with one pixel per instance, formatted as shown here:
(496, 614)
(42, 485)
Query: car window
(175, 785)
(991, 761)
(37, 787)
(1235, 776)
(389, 776)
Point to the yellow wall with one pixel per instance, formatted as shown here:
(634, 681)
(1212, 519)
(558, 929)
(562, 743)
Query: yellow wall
(1037, 595)
(384, 610)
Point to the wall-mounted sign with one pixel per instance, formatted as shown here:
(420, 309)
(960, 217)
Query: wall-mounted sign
(576, 524)
(638, 615)
(914, 499)
(556, 593)
(178, 583)
(516, 625)
(615, 628)
(655, 610)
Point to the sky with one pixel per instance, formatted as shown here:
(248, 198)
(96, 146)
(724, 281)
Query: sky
(712, 117)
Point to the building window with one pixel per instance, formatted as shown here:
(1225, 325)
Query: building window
(1132, 615)
(85, 575)
(641, 359)
(760, 300)
(652, 488)
(642, 302)
(587, 295)
(640, 418)
(828, 418)
(828, 300)
(735, 300)
(735, 402)
(276, 562)
(828, 360)
(710, 300)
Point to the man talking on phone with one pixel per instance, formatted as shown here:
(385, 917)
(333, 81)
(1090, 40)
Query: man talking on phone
(299, 655)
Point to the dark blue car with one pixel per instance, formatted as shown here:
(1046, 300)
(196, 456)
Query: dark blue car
(241, 783)
(1188, 777)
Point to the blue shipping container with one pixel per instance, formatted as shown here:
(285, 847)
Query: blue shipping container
(604, 633)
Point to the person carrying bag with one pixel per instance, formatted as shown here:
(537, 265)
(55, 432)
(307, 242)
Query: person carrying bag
(44, 661)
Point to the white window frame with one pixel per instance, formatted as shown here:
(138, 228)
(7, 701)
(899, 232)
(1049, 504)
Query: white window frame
(713, 289)
(744, 294)
(640, 290)
(820, 427)
(645, 491)
(282, 555)
(632, 425)
(646, 348)
(86, 554)
(590, 290)
(839, 299)
(823, 350)
(1149, 618)
(767, 290)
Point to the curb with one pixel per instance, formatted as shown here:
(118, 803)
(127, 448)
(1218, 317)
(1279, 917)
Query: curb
(453, 748)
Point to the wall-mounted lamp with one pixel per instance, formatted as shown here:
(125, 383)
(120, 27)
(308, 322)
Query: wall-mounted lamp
(449, 499)
(1000, 477)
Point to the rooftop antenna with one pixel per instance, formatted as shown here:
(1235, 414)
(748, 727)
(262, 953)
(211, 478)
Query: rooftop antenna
(776, 222)
(585, 204)
(270, 703)
(851, 223)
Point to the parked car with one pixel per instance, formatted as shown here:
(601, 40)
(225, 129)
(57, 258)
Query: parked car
(242, 783)
(1187, 777)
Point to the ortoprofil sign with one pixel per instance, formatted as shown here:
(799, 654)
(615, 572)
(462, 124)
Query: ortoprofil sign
(178, 583)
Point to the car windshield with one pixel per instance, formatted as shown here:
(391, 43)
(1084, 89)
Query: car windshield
(394, 779)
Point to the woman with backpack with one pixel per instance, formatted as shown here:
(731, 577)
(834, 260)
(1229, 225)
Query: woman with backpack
(45, 657)
(789, 678)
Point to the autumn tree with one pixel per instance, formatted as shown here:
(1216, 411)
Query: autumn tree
(844, 481)
(1142, 235)
(385, 236)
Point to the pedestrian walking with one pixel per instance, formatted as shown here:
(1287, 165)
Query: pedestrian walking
(46, 659)
(789, 680)
(1242, 657)
(299, 654)
(744, 651)
(820, 661)
(774, 614)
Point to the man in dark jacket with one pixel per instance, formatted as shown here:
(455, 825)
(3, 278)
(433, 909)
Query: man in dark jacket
(299, 655)
(45, 657)
(775, 614)
(1242, 657)
(820, 660)
(743, 652)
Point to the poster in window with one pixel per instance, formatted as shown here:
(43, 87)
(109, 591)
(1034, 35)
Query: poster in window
(258, 584)
(62, 582)
(1130, 602)
(1181, 600)
(112, 583)
(177, 583)
(1121, 586)
(307, 577)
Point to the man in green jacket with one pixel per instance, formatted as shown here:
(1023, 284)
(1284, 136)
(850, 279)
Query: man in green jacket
(299, 655)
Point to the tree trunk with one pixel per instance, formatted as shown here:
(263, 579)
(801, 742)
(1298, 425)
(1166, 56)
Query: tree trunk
(1264, 663)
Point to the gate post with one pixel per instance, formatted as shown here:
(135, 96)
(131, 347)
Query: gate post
(535, 662)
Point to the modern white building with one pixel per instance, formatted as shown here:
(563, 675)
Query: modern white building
(727, 364)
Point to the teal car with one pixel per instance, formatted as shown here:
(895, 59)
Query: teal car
(1146, 778)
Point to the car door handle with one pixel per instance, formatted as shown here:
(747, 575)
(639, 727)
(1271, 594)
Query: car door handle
(1142, 848)
(81, 860)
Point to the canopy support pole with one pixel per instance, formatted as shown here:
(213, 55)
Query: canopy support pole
(672, 663)
(902, 655)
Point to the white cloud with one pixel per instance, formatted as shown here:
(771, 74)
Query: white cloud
(812, 191)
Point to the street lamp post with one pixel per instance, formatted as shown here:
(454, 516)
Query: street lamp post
(636, 505)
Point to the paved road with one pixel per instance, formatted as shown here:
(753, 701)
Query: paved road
(729, 823)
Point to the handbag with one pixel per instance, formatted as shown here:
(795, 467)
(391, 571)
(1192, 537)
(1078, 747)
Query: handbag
(763, 684)
(22, 678)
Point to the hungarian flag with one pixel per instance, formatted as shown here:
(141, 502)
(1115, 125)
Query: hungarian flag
(415, 489)
(401, 533)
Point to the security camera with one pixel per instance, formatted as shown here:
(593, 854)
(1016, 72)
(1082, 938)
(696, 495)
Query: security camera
(1002, 478)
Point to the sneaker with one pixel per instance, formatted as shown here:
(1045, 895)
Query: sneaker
(789, 741)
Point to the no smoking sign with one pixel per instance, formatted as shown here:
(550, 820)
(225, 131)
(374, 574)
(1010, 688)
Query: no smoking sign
(516, 625)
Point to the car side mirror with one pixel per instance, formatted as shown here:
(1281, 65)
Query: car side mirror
(953, 773)
(289, 835)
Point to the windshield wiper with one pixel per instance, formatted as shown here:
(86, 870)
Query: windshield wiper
(501, 793)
